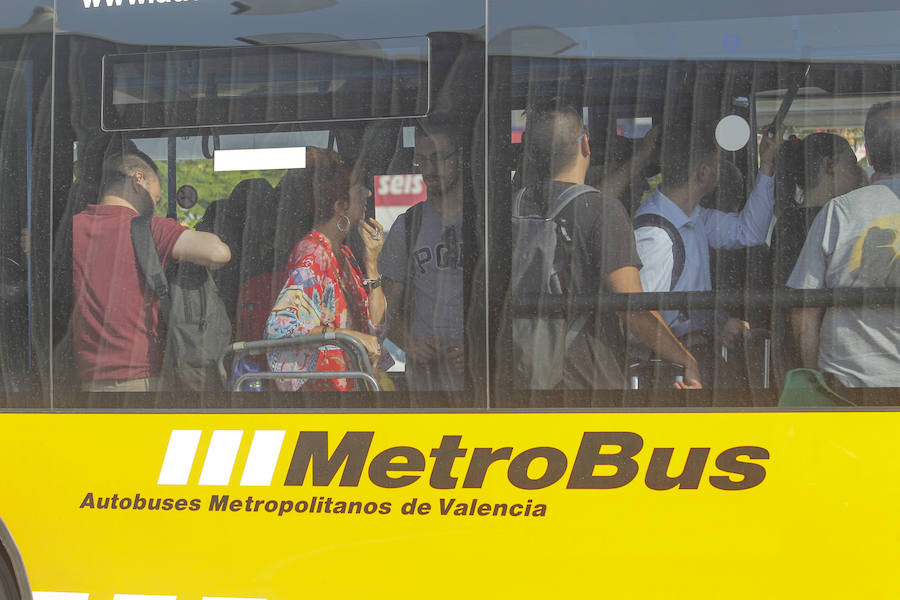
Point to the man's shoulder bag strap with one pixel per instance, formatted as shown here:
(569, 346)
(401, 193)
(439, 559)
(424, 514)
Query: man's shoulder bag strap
(412, 222)
(148, 260)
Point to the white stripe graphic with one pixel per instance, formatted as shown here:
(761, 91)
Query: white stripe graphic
(252, 159)
(176, 467)
(263, 458)
(59, 596)
(223, 449)
(143, 597)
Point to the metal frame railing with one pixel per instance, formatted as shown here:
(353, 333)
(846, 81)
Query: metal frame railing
(782, 299)
(350, 345)
(718, 299)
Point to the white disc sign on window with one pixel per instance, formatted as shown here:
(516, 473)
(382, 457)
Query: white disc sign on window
(733, 133)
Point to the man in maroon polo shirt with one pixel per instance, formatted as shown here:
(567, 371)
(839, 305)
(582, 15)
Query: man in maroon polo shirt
(116, 323)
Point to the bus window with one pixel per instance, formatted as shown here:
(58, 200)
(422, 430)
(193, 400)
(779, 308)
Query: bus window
(24, 179)
(15, 253)
(348, 114)
(560, 333)
(309, 82)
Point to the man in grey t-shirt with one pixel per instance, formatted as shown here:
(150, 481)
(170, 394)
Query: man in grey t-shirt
(421, 263)
(853, 242)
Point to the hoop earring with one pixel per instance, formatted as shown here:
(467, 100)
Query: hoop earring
(346, 227)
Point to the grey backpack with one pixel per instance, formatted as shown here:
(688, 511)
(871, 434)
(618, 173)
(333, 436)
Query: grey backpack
(197, 323)
(541, 254)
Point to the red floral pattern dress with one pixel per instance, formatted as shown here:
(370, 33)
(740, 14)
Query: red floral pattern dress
(317, 292)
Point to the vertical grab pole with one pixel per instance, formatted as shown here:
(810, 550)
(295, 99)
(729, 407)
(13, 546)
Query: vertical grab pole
(28, 200)
(172, 211)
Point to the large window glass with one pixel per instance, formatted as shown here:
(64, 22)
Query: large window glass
(25, 181)
(307, 82)
(712, 140)
(278, 148)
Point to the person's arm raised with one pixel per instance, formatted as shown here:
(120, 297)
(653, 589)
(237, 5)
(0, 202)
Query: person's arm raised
(201, 248)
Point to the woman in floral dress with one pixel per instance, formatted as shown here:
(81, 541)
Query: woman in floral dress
(325, 289)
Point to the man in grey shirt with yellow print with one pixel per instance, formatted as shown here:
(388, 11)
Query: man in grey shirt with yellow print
(854, 241)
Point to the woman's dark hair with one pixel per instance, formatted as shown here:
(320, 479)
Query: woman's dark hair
(315, 189)
(306, 197)
(799, 161)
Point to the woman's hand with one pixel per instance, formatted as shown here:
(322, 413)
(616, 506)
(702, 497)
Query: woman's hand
(372, 234)
(369, 342)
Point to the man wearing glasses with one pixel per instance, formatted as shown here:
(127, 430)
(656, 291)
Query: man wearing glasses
(421, 264)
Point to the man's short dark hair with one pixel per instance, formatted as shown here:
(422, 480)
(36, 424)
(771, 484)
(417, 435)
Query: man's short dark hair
(550, 134)
(442, 124)
(120, 166)
(685, 147)
(883, 137)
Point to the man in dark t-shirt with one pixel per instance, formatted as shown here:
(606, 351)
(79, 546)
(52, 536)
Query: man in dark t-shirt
(116, 327)
(603, 256)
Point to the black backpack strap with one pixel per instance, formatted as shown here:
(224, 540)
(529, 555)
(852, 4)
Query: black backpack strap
(678, 256)
(412, 221)
(563, 200)
(148, 260)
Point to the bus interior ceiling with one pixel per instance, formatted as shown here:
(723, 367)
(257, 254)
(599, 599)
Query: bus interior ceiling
(687, 89)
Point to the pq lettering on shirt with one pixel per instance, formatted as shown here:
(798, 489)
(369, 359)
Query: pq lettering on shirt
(446, 258)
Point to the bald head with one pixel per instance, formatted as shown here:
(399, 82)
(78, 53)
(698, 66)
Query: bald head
(883, 137)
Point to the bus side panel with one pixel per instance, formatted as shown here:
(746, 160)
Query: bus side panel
(528, 505)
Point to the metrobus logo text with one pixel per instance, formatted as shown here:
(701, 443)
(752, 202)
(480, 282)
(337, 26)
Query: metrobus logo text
(604, 460)
(99, 3)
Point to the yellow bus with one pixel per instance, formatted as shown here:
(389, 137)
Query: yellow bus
(316, 463)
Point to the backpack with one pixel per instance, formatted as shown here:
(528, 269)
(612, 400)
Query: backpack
(541, 253)
(197, 323)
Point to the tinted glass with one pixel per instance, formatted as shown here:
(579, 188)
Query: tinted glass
(245, 78)
(216, 23)
(313, 82)
(26, 182)
(813, 70)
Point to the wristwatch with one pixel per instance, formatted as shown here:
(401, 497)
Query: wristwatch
(372, 284)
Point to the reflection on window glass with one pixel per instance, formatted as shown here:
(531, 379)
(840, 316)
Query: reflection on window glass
(275, 84)
(293, 249)
(16, 148)
(674, 207)
(699, 30)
